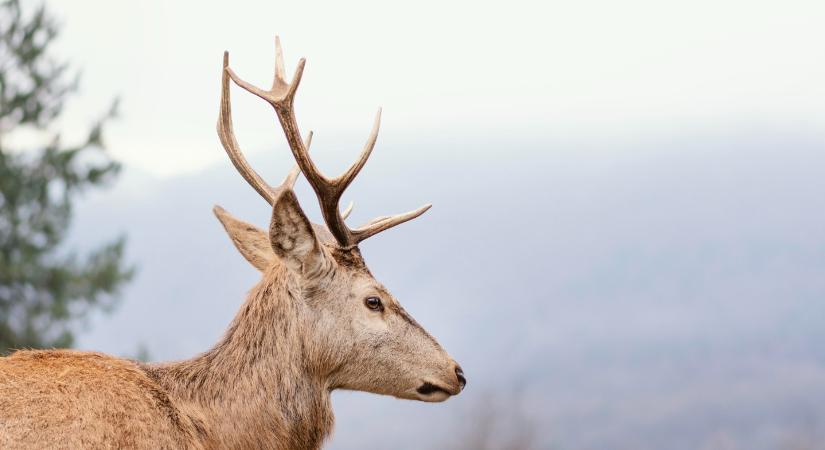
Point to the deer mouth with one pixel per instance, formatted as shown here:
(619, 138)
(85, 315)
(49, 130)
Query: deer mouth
(433, 393)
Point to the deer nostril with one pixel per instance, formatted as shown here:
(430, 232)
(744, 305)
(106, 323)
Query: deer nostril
(460, 375)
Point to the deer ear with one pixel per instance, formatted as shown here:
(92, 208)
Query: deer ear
(251, 241)
(292, 237)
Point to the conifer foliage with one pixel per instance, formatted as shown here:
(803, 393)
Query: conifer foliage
(45, 287)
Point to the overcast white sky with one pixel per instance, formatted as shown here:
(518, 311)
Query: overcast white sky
(517, 68)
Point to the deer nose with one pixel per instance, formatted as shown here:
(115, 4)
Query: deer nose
(460, 375)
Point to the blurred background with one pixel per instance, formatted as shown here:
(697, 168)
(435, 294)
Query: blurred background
(627, 244)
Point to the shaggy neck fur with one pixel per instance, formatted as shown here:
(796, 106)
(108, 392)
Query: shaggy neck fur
(258, 387)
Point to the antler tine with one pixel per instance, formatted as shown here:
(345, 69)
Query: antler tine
(347, 210)
(230, 144)
(282, 93)
(279, 62)
(292, 177)
(376, 226)
(344, 180)
(329, 191)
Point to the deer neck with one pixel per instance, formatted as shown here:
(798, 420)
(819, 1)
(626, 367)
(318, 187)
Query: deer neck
(256, 386)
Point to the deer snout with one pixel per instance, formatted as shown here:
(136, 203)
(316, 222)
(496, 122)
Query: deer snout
(450, 383)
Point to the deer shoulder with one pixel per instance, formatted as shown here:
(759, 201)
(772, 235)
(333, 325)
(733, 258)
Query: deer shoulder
(76, 399)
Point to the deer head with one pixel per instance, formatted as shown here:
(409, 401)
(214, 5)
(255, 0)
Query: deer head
(358, 337)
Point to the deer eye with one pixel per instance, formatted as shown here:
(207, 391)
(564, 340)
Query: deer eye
(374, 303)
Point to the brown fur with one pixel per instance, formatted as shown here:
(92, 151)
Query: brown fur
(70, 399)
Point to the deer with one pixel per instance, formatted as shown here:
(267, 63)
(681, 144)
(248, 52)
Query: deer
(318, 321)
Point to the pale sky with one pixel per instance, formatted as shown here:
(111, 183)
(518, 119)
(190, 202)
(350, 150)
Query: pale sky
(518, 68)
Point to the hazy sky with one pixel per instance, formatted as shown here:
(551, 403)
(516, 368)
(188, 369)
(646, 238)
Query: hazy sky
(442, 68)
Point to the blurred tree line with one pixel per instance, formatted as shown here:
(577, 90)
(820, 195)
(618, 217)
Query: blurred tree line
(44, 287)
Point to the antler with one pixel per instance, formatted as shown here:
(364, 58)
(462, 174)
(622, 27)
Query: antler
(227, 137)
(329, 191)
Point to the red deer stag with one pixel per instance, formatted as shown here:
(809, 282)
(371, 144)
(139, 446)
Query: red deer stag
(317, 321)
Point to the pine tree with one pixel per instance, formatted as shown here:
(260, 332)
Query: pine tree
(44, 287)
